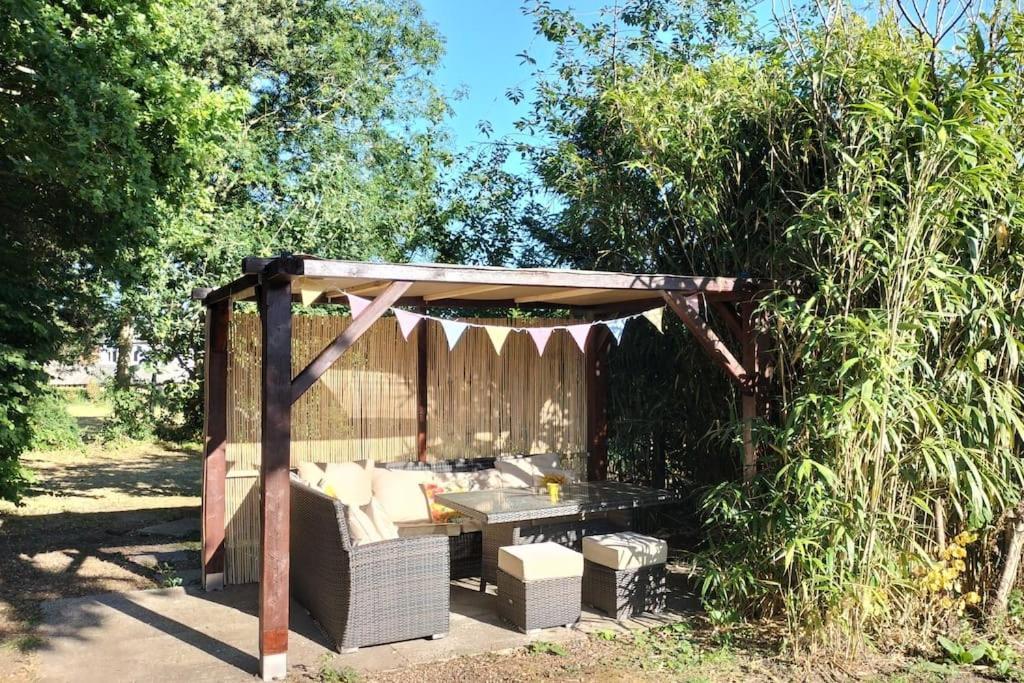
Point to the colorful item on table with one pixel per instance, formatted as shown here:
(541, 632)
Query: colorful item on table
(439, 514)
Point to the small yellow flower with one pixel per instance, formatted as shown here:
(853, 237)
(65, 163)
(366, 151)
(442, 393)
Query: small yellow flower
(959, 565)
(957, 551)
(972, 598)
(965, 538)
(946, 603)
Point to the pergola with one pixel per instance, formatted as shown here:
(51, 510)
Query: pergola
(276, 283)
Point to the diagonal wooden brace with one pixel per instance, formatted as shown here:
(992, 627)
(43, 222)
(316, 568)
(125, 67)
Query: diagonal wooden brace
(333, 351)
(688, 311)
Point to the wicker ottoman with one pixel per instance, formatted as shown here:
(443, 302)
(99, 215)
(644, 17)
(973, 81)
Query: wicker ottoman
(624, 573)
(539, 585)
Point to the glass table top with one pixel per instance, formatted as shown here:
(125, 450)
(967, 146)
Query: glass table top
(495, 506)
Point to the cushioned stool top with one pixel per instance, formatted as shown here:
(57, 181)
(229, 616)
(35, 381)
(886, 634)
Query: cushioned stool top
(536, 561)
(625, 550)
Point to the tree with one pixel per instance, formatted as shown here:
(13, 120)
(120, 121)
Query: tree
(103, 135)
(339, 156)
(870, 168)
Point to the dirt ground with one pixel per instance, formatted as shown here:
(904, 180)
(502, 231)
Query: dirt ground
(86, 527)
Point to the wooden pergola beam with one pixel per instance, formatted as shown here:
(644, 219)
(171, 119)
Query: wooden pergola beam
(688, 310)
(275, 301)
(595, 365)
(295, 266)
(728, 316)
(333, 351)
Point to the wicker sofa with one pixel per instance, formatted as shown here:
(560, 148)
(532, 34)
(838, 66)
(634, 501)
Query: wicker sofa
(368, 594)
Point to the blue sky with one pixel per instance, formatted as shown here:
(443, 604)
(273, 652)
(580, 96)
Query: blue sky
(482, 39)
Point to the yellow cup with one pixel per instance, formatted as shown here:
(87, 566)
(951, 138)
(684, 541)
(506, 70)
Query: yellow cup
(554, 491)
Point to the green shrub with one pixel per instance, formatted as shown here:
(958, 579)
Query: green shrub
(131, 417)
(51, 425)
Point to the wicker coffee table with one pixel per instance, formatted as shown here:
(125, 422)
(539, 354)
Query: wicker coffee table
(512, 516)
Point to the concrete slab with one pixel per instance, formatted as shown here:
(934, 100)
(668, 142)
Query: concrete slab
(186, 634)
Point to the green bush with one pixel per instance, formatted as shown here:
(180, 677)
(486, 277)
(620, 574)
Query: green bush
(131, 417)
(51, 425)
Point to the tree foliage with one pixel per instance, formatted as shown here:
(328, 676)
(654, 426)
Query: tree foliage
(103, 135)
(870, 168)
(338, 156)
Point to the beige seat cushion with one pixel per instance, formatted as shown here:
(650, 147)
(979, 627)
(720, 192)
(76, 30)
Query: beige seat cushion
(470, 525)
(519, 473)
(386, 528)
(625, 550)
(348, 482)
(537, 561)
(487, 479)
(456, 481)
(400, 494)
(410, 529)
(310, 473)
(360, 527)
(546, 461)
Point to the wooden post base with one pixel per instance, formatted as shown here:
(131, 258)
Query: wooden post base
(274, 667)
(214, 581)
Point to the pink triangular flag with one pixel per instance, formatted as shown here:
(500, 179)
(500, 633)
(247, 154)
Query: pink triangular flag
(540, 336)
(358, 304)
(498, 336)
(407, 321)
(580, 334)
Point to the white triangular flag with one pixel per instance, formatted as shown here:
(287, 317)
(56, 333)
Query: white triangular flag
(540, 336)
(453, 330)
(407, 321)
(654, 317)
(498, 335)
(358, 304)
(310, 294)
(616, 327)
(579, 334)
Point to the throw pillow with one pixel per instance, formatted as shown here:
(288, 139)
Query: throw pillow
(386, 529)
(348, 482)
(439, 514)
(360, 528)
(399, 493)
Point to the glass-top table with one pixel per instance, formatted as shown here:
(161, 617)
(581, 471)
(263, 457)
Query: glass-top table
(511, 516)
(502, 506)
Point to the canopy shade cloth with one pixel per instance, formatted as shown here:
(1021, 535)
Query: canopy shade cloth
(736, 346)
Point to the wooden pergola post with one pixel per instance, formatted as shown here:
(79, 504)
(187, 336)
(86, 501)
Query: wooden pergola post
(744, 372)
(275, 304)
(596, 368)
(752, 387)
(421, 388)
(215, 433)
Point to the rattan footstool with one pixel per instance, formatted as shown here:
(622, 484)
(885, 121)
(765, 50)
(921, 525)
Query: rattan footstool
(539, 585)
(624, 573)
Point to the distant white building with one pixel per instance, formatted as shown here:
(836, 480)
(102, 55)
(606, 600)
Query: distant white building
(103, 365)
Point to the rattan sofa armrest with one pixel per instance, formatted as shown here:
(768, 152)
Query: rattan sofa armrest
(418, 546)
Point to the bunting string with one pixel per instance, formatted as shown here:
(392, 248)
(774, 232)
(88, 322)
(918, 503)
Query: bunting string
(498, 334)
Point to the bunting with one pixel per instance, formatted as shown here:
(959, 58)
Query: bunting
(540, 337)
(358, 304)
(407, 321)
(616, 327)
(579, 334)
(654, 317)
(453, 330)
(498, 335)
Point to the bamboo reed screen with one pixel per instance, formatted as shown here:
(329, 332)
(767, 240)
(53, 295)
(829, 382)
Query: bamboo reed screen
(479, 404)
